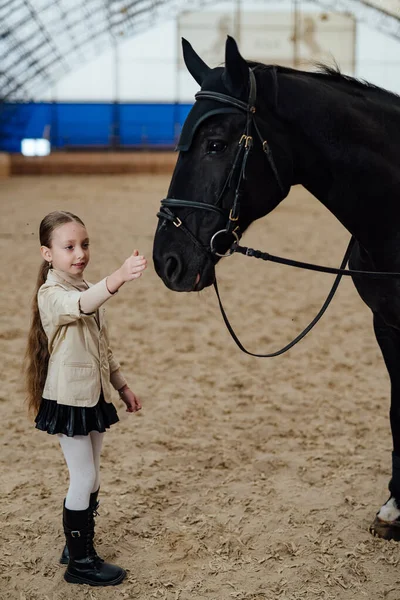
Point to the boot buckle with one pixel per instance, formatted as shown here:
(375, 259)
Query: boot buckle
(75, 534)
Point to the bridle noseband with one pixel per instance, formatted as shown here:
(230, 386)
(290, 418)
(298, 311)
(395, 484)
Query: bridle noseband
(238, 168)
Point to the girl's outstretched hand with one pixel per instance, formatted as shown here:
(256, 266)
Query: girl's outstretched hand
(132, 402)
(133, 267)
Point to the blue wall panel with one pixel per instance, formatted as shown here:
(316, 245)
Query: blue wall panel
(90, 125)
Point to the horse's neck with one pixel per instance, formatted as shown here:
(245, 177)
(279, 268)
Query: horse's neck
(345, 149)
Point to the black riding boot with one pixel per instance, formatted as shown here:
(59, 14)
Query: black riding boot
(84, 565)
(94, 505)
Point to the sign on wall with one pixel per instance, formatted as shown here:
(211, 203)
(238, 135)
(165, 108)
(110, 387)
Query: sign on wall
(273, 38)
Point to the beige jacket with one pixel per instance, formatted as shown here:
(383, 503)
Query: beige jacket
(81, 363)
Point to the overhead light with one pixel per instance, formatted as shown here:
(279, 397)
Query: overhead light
(35, 147)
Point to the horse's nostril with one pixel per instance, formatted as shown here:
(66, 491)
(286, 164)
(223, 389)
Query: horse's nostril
(171, 267)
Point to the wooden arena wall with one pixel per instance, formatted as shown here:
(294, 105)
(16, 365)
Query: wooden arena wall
(5, 165)
(92, 163)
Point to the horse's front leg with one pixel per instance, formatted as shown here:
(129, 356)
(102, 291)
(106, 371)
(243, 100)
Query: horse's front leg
(387, 520)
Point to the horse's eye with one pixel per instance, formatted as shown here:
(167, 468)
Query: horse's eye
(214, 146)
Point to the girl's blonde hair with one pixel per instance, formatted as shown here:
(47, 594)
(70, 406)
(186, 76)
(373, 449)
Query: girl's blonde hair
(37, 352)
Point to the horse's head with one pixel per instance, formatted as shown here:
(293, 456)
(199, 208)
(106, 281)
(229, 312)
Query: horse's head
(234, 167)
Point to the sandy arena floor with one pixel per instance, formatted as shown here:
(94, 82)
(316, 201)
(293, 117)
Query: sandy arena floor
(242, 478)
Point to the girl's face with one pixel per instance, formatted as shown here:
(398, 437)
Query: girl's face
(69, 250)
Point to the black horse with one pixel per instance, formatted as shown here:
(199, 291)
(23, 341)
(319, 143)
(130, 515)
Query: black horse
(253, 132)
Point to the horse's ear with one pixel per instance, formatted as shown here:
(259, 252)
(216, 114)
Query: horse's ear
(236, 72)
(195, 65)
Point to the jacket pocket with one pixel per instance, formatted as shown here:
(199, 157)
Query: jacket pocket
(79, 372)
(78, 382)
(78, 365)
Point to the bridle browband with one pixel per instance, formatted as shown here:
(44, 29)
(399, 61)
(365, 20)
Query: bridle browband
(232, 227)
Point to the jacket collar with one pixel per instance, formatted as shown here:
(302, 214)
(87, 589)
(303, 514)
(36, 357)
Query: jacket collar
(57, 276)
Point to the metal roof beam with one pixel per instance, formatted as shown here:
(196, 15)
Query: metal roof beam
(364, 11)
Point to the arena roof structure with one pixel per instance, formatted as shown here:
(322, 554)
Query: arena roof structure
(383, 15)
(41, 40)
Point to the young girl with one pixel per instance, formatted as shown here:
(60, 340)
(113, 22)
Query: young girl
(70, 371)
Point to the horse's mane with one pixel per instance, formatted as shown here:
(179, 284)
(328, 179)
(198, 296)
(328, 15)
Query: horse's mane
(335, 74)
(332, 73)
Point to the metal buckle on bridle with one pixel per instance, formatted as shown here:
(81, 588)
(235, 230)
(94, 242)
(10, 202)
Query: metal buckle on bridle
(177, 222)
(247, 139)
(231, 249)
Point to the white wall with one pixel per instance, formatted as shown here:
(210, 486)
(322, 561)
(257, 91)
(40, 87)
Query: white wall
(147, 65)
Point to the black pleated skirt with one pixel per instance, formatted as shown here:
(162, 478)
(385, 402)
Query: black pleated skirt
(75, 420)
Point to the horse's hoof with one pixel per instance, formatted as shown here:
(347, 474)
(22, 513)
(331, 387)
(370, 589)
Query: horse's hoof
(386, 530)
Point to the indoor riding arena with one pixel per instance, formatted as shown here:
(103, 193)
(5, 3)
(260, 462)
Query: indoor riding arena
(241, 478)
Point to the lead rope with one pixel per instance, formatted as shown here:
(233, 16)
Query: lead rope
(306, 330)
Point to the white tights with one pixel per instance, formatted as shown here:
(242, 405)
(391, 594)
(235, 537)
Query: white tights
(82, 455)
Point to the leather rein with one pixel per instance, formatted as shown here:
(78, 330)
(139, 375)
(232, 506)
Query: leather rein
(238, 172)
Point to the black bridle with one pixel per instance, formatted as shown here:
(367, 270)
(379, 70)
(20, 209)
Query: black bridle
(238, 168)
(232, 227)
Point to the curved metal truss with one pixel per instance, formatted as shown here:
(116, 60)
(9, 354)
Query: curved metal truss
(41, 40)
(383, 15)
